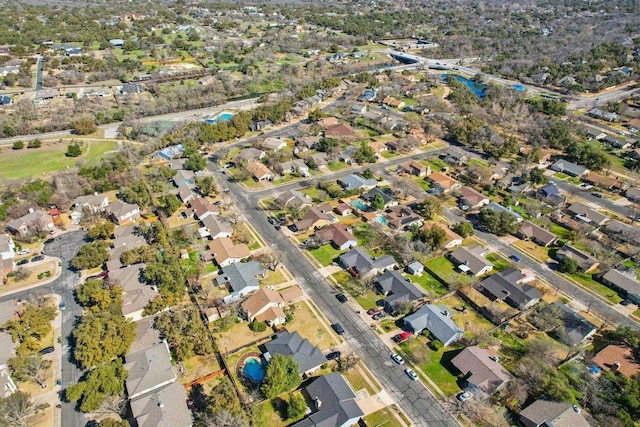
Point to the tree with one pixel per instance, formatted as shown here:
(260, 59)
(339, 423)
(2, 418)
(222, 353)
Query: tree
(30, 366)
(296, 407)
(463, 228)
(315, 115)
(377, 203)
(364, 154)
(186, 333)
(367, 173)
(111, 422)
(327, 145)
(166, 273)
(93, 295)
(101, 337)
(106, 379)
(434, 236)
(73, 150)
(91, 255)
(102, 230)
(568, 265)
(499, 223)
(347, 362)
(137, 193)
(169, 203)
(32, 326)
(537, 176)
(206, 185)
(430, 207)
(84, 126)
(196, 162)
(282, 375)
(17, 410)
(21, 274)
(18, 145)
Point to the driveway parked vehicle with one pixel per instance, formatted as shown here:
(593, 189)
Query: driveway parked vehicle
(333, 355)
(465, 395)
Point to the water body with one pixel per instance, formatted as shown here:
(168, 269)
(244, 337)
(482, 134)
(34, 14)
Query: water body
(253, 370)
(477, 88)
(222, 117)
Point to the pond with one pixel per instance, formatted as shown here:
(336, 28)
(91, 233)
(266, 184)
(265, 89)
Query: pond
(254, 370)
(477, 88)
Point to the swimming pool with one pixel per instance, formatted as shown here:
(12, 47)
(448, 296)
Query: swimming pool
(222, 117)
(253, 370)
(359, 204)
(382, 220)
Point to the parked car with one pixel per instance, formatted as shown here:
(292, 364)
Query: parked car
(342, 298)
(22, 262)
(516, 258)
(62, 306)
(373, 311)
(338, 328)
(37, 258)
(598, 195)
(411, 374)
(47, 350)
(333, 355)
(397, 358)
(24, 251)
(401, 337)
(625, 302)
(271, 220)
(465, 395)
(379, 316)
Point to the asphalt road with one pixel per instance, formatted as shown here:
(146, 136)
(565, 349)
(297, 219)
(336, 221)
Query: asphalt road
(604, 202)
(64, 247)
(414, 398)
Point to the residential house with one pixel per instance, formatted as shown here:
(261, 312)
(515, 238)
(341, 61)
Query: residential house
(7, 351)
(623, 281)
(392, 102)
(131, 89)
(506, 209)
(327, 122)
(187, 193)
(339, 235)
(215, 228)
(306, 143)
(146, 334)
(415, 268)
(437, 320)
(355, 182)
(604, 115)
(621, 232)
(170, 153)
(315, 217)
(93, 203)
(397, 290)
(619, 358)
(121, 245)
(265, 305)
(537, 234)
(401, 218)
(183, 177)
(607, 182)
(249, 155)
(471, 260)
(482, 372)
(416, 168)
(358, 109)
(5, 100)
(224, 252)
(471, 199)
(452, 239)
(368, 95)
(618, 142)
(443, 183)
(259, 171)
(273, 144)
(7, 254)
(378, 146)
(586, 262)
(333, 403)
(340, 131)
(455, 158)
(360, 263)
(203, 208)
(387, 198)
(343, 209)
(149, 369)
(294, 198)
(575, 328)
(568, 168)
(162, 407)
(123, 213)
(550, 194)
(308, 357)
(293, 166)
(317, 160)
(135, 293)
(548, 413)
(241, 278)
(508, 286)
(418, 135)
(633, 194)
(44, 95)
(34, 222)
(586, 214)
(592, 133)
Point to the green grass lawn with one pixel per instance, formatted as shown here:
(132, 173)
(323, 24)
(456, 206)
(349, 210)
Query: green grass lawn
(383, 417)
(325, 254)
(587, 281)
(560, 231)
(560, 175)
(500, 263)
(366, 298)
(429, 283)
(26, 163)
(435, 364)
(445, 270)
(336, 166)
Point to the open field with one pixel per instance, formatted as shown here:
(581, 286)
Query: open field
(33, 162)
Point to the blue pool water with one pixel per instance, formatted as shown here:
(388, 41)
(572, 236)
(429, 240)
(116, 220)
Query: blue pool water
(222, 117)
(382, 220)
(359, 204)
(477, 88)
(253, 370)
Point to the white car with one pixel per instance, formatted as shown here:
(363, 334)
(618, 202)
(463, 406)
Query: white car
(24, 251)
(411, 374)
(465, 395)
(397, 358)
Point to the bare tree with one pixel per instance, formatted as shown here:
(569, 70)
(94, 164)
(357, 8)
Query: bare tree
(347, 362)
(112, 405)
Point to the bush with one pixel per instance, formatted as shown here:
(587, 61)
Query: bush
(73, 151)
(36, 143)
(435, 345)
(256, 326)
(18, 145)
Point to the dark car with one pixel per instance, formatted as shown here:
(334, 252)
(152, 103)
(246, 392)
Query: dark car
(37, 258)
(625, 302)
(338, 328)
(22, 262)
(271, 220)
(378, 316)
(373, 311)
(47, 350)
(342, 298)
(598, 195)
(333, 355)
(516, 258)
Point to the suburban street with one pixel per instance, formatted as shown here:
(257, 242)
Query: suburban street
(412, 396)
(64, 247)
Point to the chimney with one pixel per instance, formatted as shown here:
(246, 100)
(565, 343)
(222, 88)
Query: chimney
(160, 405)
(31, 210)
(318, 402)
(616, 365)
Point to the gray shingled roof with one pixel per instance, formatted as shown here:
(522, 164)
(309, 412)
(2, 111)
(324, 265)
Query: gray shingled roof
(307, 356)
(550, 413)
(165, 407)
(504, 286)
(240, 275)
(397, 288)
(149, 369)
(363, 263)
(435, 318)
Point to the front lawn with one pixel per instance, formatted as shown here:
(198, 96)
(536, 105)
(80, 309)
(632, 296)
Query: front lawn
(560, 231)
(429, 283)
(383, 417)
(365, 297)
(325, 254)
(499, 262)
(435, 364)
(336, 166)
(587, 281)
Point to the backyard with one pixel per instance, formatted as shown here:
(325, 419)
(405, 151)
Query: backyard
(443, 269)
